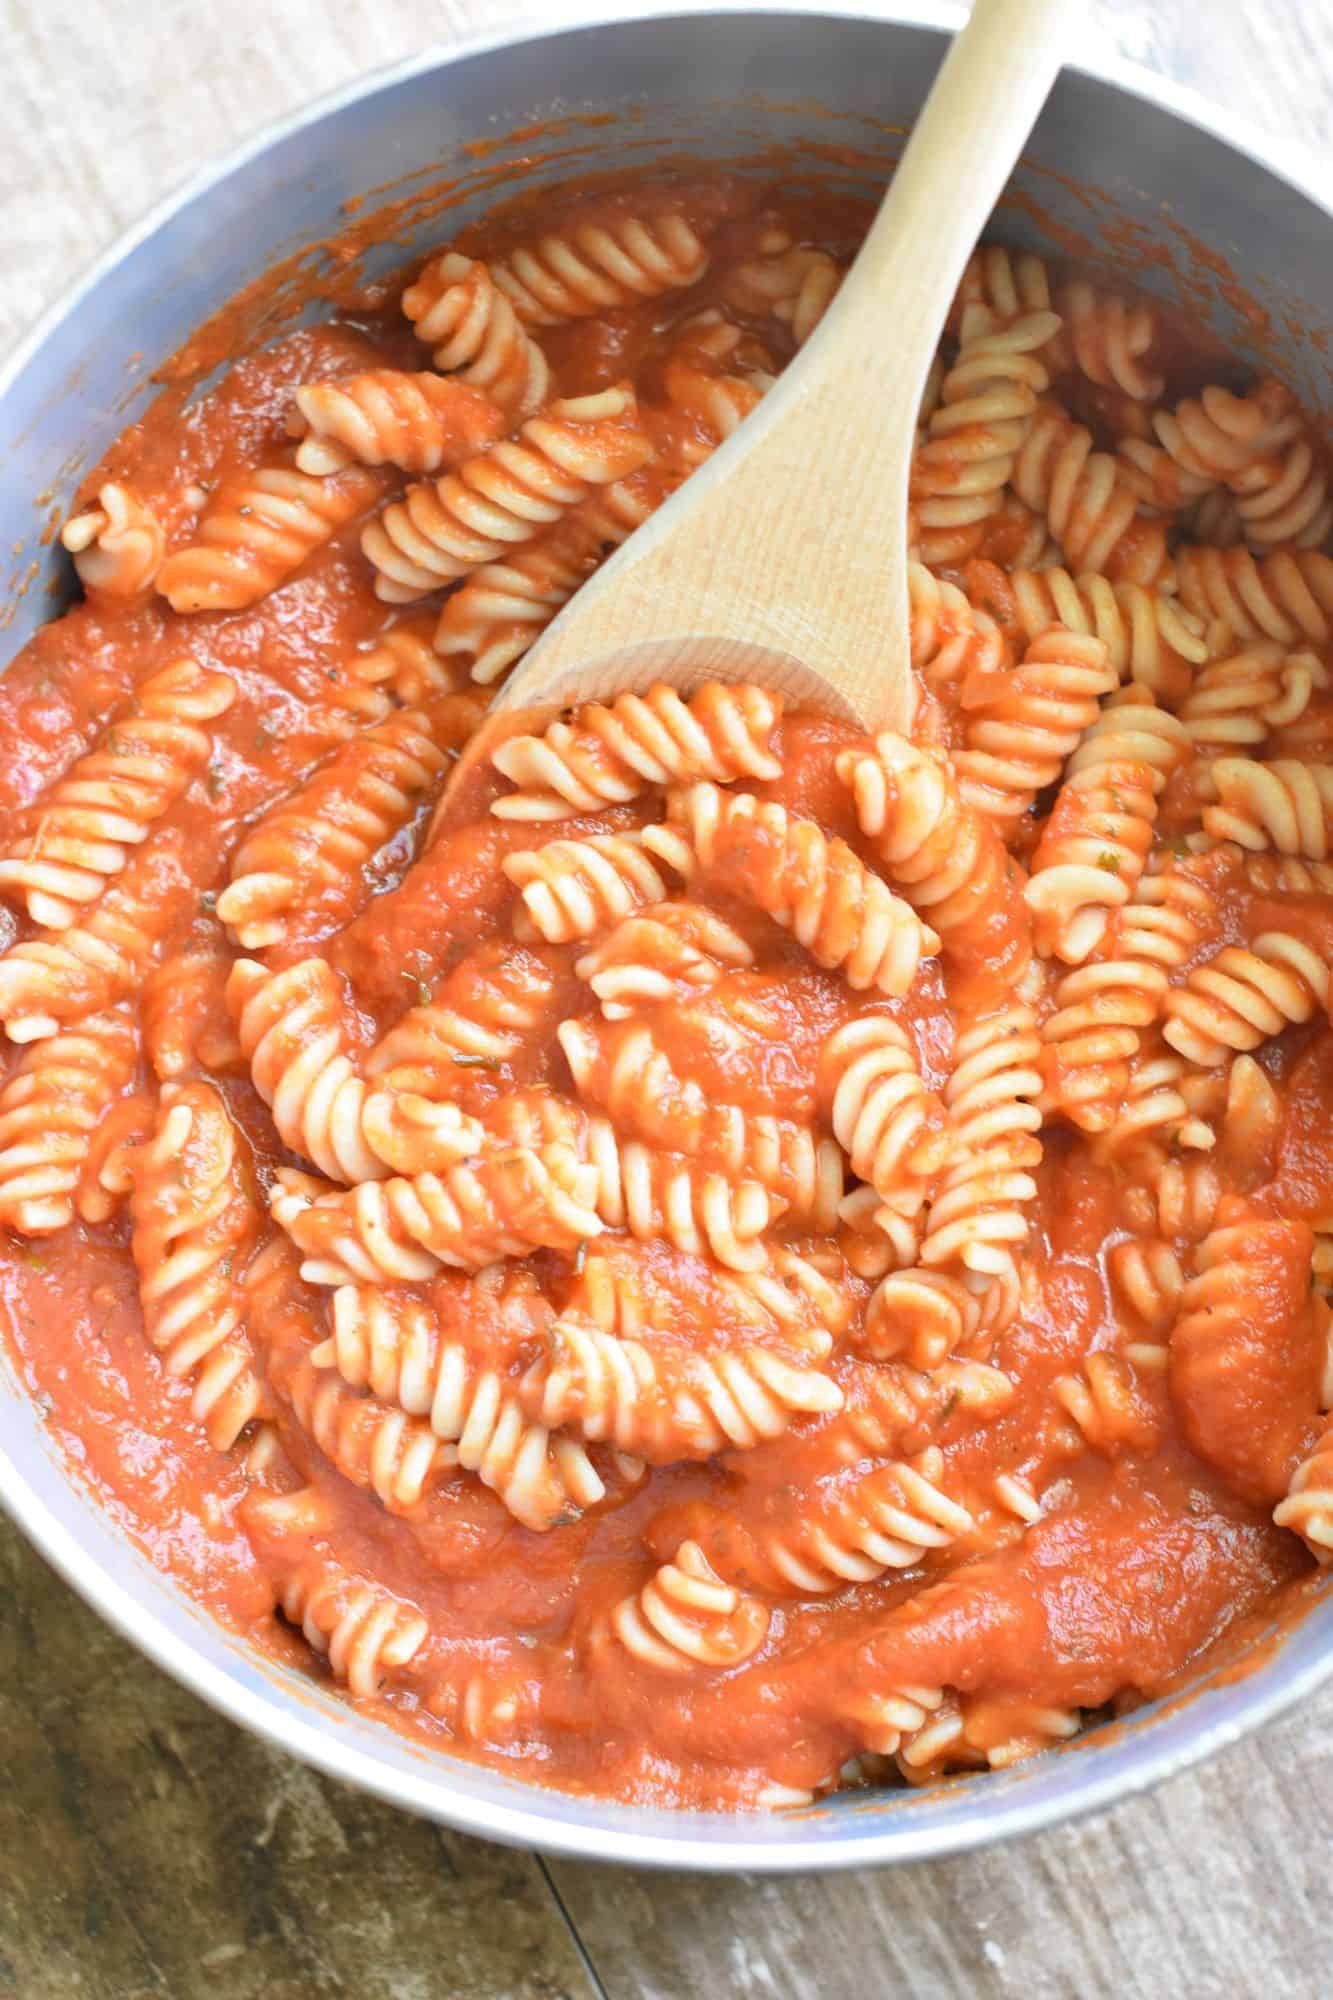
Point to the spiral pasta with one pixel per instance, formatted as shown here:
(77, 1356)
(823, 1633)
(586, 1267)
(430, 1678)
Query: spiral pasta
(648, 1193)
(1148, 1280)
(1236, 702)
(420, 423)
(794, 283)
(666, 951)
(1285, 597)
(503, 607)
(950, 636)
(326, 833)
(392, 1455)
(1084, 495)
(666, 1404)
(45, 984)
(1020, 727)
(850, 1529)
(607, 755)
(1237, 999)
(977, 1218)
(625, 1071)
(987, 402)
(1103, 1006)
(683, 1620)
(1308, 1506)
(363, 1630)
(1245, 1331)
(593, 266)
(944, 856)
(387, 1232)
(920, 1316)
(194, 1222)
(295, 1033)
(1150, 638)
(457, 308)
(184, 1015)
(256, 531)
(714, 399)
(77, 836)
(117, 545)
(575, 888)
(394, 1345)
(1103, 1399)
(496, 997)
(1095, 843)
(815, 887)
(893, 1130)
(443, 528)
(1284, 806)
(51, 1105)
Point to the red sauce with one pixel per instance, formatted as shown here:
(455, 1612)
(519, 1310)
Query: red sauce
(1141, 1543)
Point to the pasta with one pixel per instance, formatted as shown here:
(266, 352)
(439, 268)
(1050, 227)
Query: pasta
(78, 835)
(194, 1223)
(793, 283)
(50, 1107)
(818, 888)
(257, 531)
(117, 545)
(442, 529)
(348, 811)
(626, 1073)
(685, 1619)
(575, 888)
(389, 1231)
(384, 417)
(667, 1407)
(457, 308)
(1019, 729)
(595, 266)
(1282, 805)
(504, 606)
(654, 739)
(702, 1232)
(987, 403)
(941, 853)
(1150, 638)
(1096, 841)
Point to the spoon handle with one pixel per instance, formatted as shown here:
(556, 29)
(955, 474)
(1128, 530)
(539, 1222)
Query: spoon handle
(980, 112)
(784, 557)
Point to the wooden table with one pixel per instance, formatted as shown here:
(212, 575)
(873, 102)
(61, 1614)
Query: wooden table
(148, 1848)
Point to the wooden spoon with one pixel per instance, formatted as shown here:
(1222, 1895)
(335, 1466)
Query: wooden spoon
(783, 560)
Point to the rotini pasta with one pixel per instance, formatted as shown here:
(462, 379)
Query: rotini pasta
(195, 1221)
(117, 545)
(331, 828)
(1095, 843)
(256, 531)
(50, 1107)
(504, 606)
(1020, 727)
(457, 308)
(78, 835)
(420, 423)
(818, 888)
(606, 756)
(599, 265)
(505, 496)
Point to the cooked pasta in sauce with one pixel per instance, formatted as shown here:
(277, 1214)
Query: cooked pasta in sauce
(721, 1257)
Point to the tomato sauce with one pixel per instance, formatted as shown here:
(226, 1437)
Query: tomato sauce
(1137, 1555)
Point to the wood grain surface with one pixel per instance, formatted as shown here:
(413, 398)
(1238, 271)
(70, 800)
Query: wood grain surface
(148, 1848)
